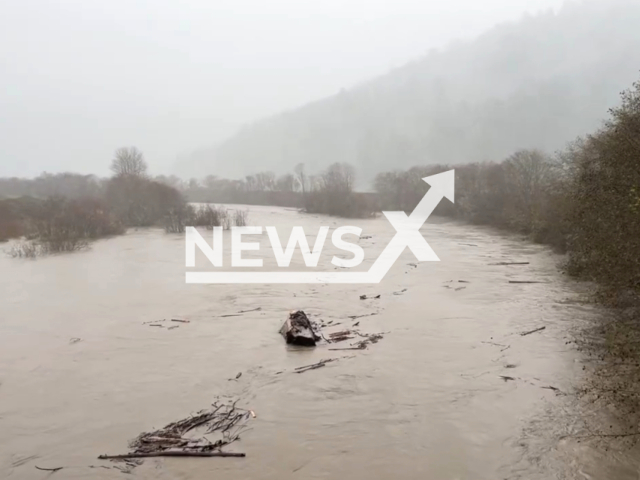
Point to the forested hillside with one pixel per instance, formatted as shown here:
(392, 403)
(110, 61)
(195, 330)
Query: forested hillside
(537, 83)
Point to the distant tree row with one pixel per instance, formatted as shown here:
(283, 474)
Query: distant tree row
(63, 212)
(585, 200)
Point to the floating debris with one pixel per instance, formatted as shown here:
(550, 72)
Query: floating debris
(170, 441)
(362, 344)
(49, 469)
(241, 312)
(315, 366)
(340, 336)
(532, 331)
(298, 330)
(556, 390)
(353, 317)
(252, 310)
(154, 321)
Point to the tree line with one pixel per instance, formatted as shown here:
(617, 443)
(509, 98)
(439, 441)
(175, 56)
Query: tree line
(58, 213)
(584, 200)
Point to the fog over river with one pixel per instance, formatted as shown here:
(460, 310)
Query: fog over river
(426, 402)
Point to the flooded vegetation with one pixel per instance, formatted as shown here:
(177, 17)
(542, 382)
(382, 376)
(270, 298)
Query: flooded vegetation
(496, 336)
(453, 390)
(494, 353)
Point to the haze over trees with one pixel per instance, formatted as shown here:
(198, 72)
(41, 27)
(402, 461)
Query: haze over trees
(533, 84)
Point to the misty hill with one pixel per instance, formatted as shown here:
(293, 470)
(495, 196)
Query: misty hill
(536, 83)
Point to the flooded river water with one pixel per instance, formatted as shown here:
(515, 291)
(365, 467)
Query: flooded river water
(426, 402)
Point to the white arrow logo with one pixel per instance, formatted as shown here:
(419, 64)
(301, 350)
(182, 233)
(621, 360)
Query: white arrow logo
(407, 235)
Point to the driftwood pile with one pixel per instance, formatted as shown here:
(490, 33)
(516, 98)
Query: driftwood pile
(171, 441)
(367, 339)
(299, 330)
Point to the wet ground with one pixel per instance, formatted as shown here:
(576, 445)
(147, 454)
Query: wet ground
(453, 391)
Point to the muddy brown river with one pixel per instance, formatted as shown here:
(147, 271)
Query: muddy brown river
(426, 402)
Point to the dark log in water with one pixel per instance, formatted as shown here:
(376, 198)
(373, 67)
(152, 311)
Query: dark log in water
(297, 330)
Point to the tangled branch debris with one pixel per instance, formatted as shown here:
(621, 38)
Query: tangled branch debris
(314, 366)
(225, 420)
(299, 330)
(340, 336)
(369, 338)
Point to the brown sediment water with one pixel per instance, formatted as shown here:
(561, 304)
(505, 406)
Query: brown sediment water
(82, 371)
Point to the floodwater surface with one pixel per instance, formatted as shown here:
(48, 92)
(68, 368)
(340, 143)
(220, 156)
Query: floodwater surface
(452, 391)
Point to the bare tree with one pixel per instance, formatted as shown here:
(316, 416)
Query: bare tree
(528, 175)
(339, 177)
(129, 161)
(301, 177)
(286, 183)
(265, 181)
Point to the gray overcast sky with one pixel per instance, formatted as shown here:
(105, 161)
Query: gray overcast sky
(79, 78)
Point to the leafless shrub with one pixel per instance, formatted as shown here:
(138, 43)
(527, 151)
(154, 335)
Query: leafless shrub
(10, 229)
(62, 244)
(141, 202)
(240, 218)
(61, 225)
(60, 220)
(226, 222)
(207, 216)
(14, 213)
(178, 218)
(25, 249)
